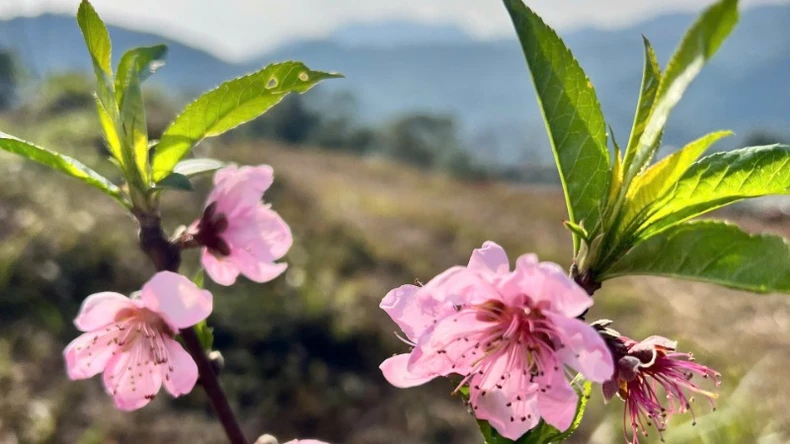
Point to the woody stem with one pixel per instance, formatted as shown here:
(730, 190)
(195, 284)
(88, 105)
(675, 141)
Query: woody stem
(166, 256)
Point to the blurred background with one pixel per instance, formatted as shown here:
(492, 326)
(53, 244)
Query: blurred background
(431, 145)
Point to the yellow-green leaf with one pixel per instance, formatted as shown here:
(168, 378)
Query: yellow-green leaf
(231, 104)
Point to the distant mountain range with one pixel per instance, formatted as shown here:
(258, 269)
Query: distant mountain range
(399, 67)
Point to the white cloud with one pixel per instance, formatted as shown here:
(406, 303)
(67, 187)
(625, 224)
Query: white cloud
(235, 29)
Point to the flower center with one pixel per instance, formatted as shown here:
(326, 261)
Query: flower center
(210, 227)
(143, 325)
(519, 336)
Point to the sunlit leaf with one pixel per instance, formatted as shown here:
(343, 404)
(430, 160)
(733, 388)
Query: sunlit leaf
(133, 119)
(721, 179)
(97, 40)
(231, 104)
(146, 61)
(572, 114)
(654, 183)
(111, 136)
(711, 251)
(698, 45)
(651, 76)
(62, 163)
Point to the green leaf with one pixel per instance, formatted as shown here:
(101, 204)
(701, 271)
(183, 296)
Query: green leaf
(146, 61)
(572, 114)
(133, 119)
(175, 181)
(721, 179)
(197, 167)
(111, 137)
(62, 163)
(198, 278)
(97, 39)
(711, 251)
(231, 104)
(654, 183)
(698, 46)
(651, 76)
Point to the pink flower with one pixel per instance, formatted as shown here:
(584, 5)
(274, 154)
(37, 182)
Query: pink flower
(510, 334)
(131, 340)
(239, 233)
(644, 367)
(306, 441)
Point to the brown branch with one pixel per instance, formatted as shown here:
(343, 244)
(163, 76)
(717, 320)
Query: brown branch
(166, 256)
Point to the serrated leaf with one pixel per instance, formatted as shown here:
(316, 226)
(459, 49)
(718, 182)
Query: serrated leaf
(97, 40)
(231, 104)
(174, 181)
(133, 119)
(698, 45)
(572, 114)
(62, 163)
(711, 251)
(651, 77)
(146, 61)
(654, 183)
(197, 167)
(721, 179)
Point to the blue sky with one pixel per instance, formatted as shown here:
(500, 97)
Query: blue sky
(235, 29)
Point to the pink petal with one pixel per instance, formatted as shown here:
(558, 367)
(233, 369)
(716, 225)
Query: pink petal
(546, 284)
(490, 258)
(100, 309)
(88, 354)
(414, 309)
(396, 372)
(512, 410)
(449, 347)
(220, 270)
(132, 377)
(179, 373)
(223, 173)
(557, 404)
(236, 192)
(584, 349)
(177, 299)
(460, 287)
(254, 268)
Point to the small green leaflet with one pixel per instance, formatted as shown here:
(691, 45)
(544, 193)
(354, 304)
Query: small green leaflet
(698, 46)
(572, 114)
(174, 181)
(133, 119)
(231, 104)
(721, 179)
(651, 76)
(64, 164)
(204, 333)
(711, 251)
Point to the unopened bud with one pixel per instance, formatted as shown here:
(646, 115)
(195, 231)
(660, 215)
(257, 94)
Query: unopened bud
(218, 363)
(266, 439)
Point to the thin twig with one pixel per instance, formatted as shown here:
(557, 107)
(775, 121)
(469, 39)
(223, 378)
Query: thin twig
(166, 256)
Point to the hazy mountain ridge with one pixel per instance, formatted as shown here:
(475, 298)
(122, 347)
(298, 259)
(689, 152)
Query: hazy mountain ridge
(484, 83)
